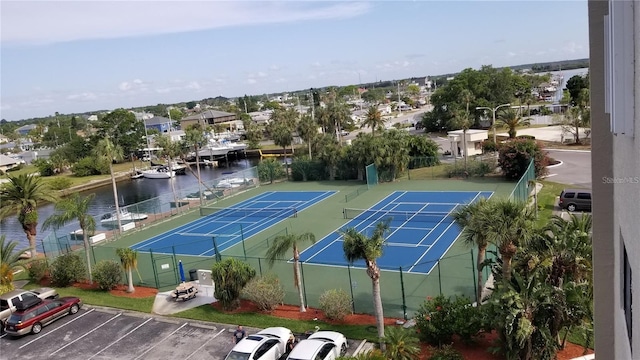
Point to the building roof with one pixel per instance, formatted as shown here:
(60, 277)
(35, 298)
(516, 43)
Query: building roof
(156, 120)
(209, 114)
(6, 160)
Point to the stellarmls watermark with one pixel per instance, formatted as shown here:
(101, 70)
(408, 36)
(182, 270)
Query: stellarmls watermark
(621, 180)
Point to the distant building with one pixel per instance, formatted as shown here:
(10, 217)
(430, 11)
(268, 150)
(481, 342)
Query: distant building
(209, 117)
(7, 163)
(25, 129)
(162, 124)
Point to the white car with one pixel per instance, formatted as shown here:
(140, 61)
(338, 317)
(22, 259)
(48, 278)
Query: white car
(267, 344)
(322, 345)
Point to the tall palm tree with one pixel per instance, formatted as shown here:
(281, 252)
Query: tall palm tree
(21, 196)
(329, 152)
(511, 119)
(170, 150)
(358, 246)
(129, 261)
(474, 219)
(308, 130)
(374, 119)
(109, 152)
(281, 245)
(10, 260)
(73, 208)
(194, 137)
(513, 228)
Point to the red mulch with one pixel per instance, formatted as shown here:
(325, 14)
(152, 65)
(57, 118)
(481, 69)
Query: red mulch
(477, 351)
(121, 290)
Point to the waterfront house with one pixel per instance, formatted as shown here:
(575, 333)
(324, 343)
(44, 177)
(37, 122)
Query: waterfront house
(209, 117)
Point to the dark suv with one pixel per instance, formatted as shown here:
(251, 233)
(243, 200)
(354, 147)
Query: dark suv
(575, 199)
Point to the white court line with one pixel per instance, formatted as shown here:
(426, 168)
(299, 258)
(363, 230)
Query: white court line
(203, 345)
(120, 338)
(161, 341)
(340, 236)
(86, 334)
(259, 224)
(50, 332)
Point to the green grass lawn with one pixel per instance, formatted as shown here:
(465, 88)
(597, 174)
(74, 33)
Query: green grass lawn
(547, 200)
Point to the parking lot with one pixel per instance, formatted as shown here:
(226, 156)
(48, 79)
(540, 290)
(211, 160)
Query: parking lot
(99, 333)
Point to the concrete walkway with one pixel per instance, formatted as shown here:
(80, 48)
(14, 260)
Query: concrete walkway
(165, 304)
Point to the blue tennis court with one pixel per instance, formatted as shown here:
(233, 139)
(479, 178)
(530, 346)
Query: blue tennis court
(232, 224)
(421, 230)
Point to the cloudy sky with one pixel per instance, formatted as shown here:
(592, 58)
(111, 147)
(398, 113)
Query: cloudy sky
(79, 56)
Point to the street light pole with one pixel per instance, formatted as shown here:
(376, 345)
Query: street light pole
(493, 122)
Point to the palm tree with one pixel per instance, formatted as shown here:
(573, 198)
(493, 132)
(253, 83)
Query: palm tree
(474, 219)
(129, 261)
(21, 196)
(374, 119)
(10, 260)
(401, 344)
(513, 228)
(308, 130)
(75, 208)
(109, 152)
(283, 243)
(511, 119)
(170, 150)
(329, 152)
(194, 137)
(358, 246)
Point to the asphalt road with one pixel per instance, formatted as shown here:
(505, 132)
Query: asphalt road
(574, 170)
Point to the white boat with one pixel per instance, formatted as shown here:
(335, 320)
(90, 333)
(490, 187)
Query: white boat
(125, 217)
(136, 174)
(237, 146)
(231, 183)
(214, 148)
(160, 172)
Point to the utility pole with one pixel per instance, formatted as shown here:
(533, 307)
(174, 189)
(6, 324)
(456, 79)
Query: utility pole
(399, 108)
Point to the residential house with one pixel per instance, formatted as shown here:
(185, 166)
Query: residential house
(140, 116)
(3, 139)
(25, 129)
(385, 109)
(159, 123)
(209, 117)
(261, 117)
(7, 163)
(22, 145)
(358, 116)
(473, 141)
(614, 66)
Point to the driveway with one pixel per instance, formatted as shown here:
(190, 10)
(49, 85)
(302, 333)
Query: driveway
(103, 333)
(574, 170)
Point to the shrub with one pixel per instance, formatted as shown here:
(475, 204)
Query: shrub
(270, 170)
(230, 276)
(67, 269)
(336, 304)
(489, 146)
(440, 318)
(107, 274)
(303, 169)
(446, 353)
(5, 288)
(37, 270)
(60, 183)
(516, 154)
(264, 291)
(90, 166)
(45, 167)
(475, 168)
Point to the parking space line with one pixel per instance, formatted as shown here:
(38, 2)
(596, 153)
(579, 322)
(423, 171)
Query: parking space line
(203, 345)
(94, 329)
(120, 338)
(52, 331)
(166, 337)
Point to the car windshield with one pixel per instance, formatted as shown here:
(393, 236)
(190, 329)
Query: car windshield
(15, 318)
(235, 355)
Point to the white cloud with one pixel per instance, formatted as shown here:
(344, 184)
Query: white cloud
(572, 48)
(135, 85)
(316, 64)
(193, 85)
(280, 80)
(274, 68)
(85, 96)
(58, 21)
(511, 54)
(262, 74)
(251, 81)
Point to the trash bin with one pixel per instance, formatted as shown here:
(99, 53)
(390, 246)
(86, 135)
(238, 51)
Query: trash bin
(193, 275)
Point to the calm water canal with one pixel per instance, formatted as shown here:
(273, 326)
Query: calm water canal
(129, 192)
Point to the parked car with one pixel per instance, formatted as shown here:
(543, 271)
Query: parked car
(32, 315)
(9, 300)
(575, 199)
(322, 345)
(267, 344)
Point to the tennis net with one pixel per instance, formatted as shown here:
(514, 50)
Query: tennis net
(249, 212)
(395, 215)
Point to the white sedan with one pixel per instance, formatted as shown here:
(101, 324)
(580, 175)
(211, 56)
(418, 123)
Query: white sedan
(322, 345)
(267, 344)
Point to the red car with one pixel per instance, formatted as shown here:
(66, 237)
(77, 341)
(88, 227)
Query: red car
(31, 317)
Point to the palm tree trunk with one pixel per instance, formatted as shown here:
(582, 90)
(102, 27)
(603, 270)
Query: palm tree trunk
(32, 244)
(374, 273)
(130, 289)
(199, 178)
(506, 267)
(85, 239)
(480, 259)
(309, 142)
(298, 279)
(115, 196)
